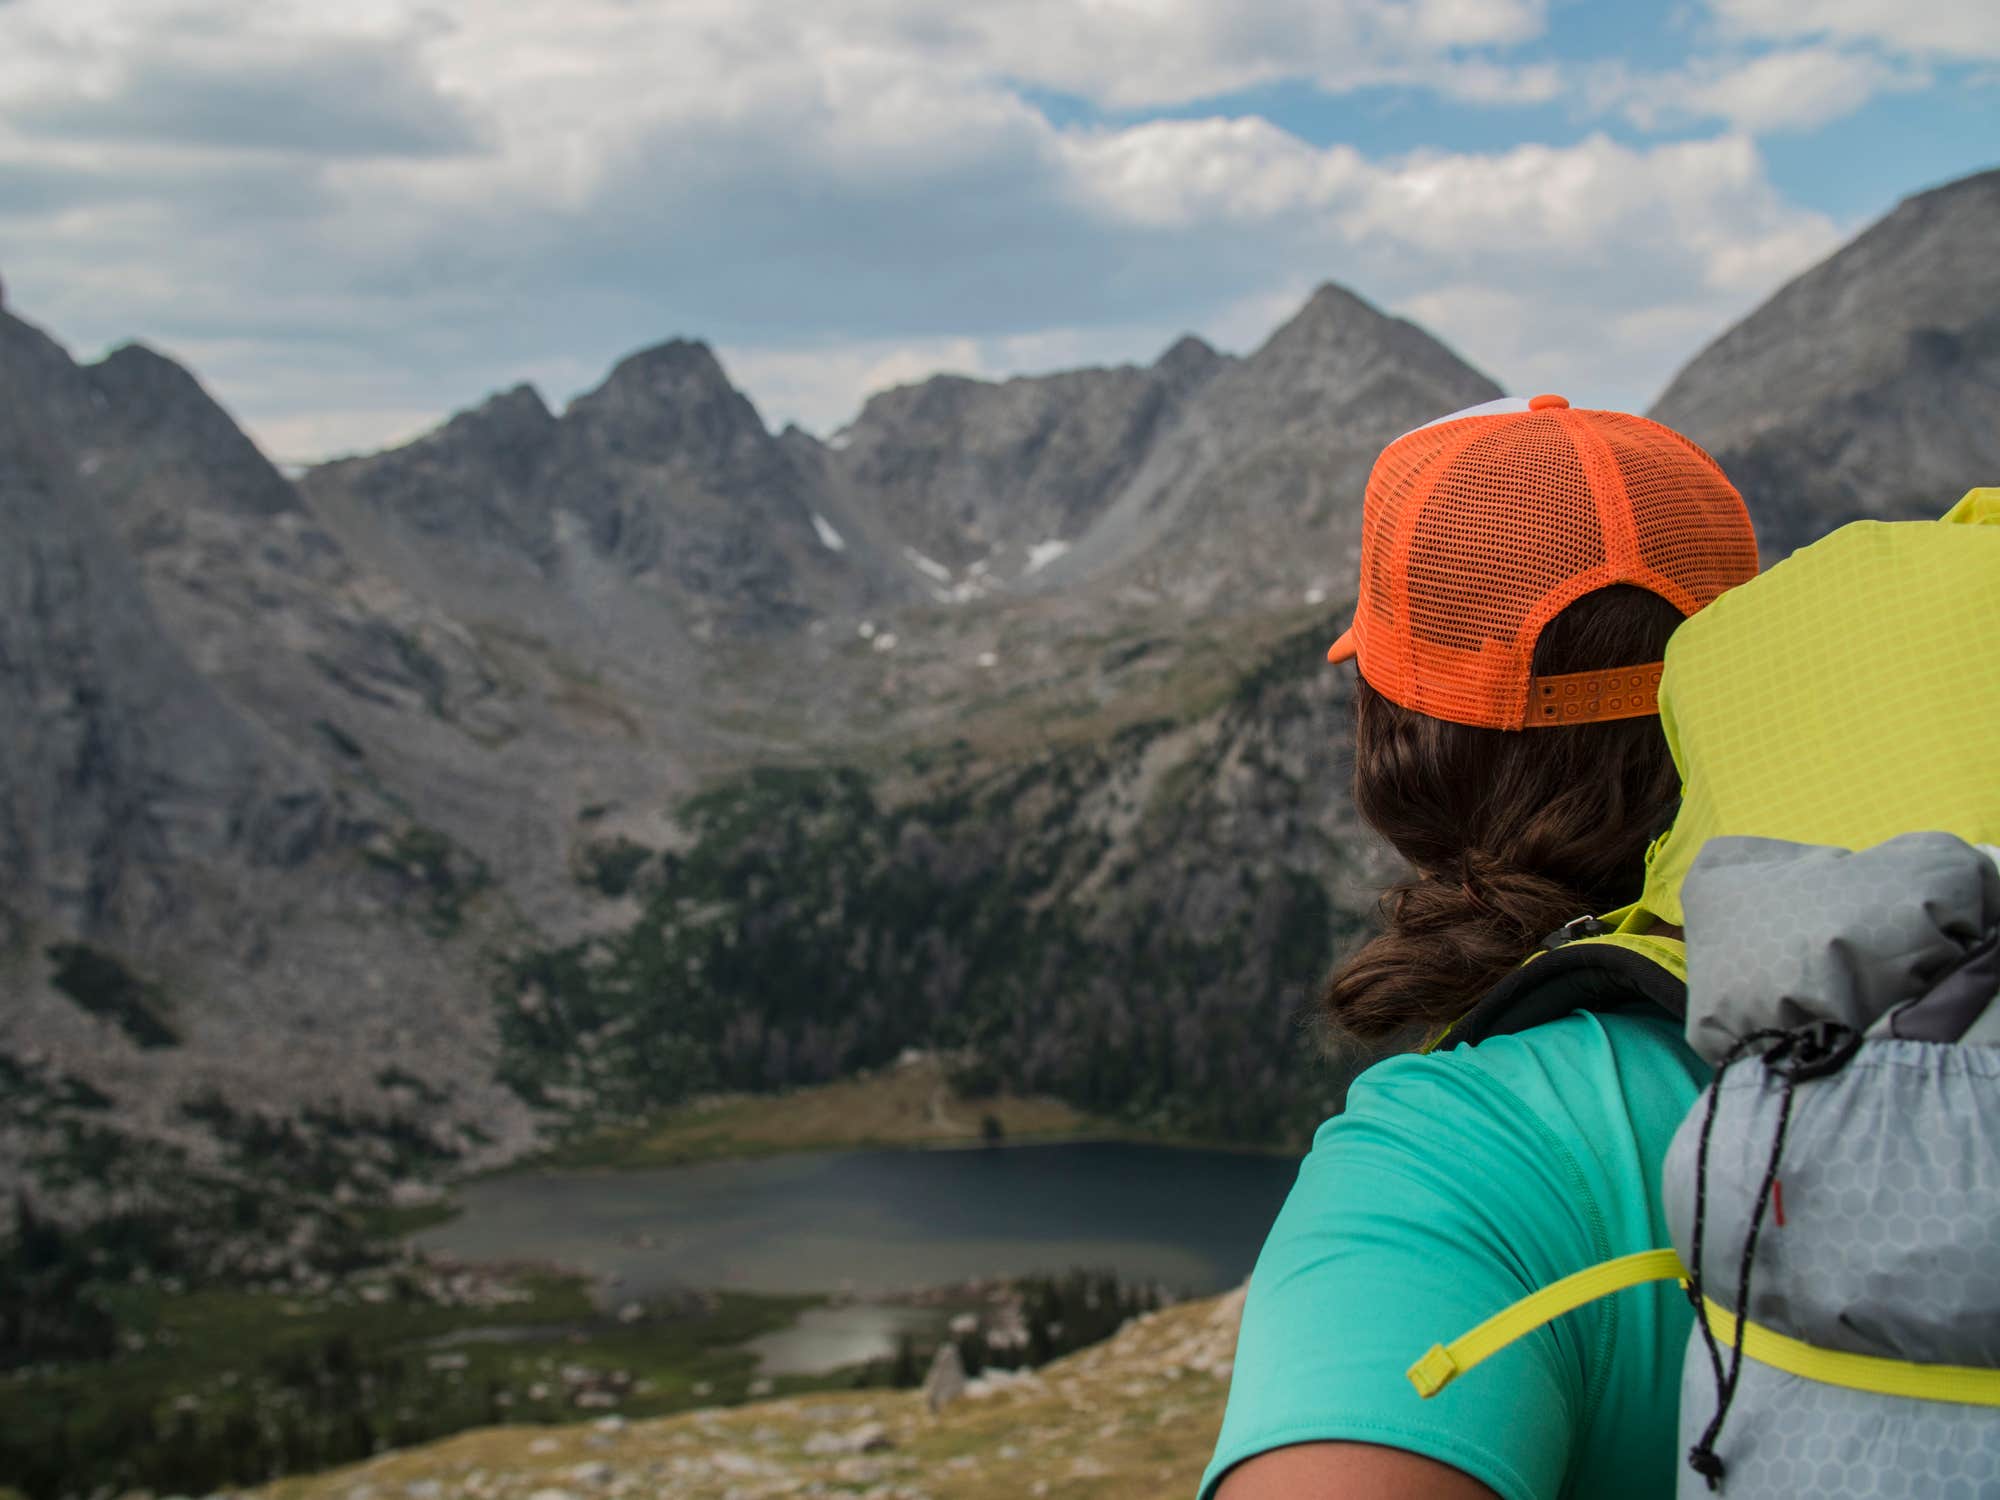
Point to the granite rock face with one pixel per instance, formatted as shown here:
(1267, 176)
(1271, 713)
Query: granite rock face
(1870, 385)
(1201, 483)
(656, 502)
(185, 853)
(658, 516)
(120, 758)
(473, 483)
(674, 475)
(1253, 500)
(977, 475)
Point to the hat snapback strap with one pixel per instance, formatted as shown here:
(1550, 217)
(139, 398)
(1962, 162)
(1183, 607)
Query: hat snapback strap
(1593, 697)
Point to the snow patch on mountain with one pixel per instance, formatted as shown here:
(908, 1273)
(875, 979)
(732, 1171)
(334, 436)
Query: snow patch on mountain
(1041, 554)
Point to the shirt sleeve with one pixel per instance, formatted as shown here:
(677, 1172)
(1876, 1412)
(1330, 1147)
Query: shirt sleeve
(1435, 1200)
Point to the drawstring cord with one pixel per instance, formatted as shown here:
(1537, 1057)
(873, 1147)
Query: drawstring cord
(1810, 1051)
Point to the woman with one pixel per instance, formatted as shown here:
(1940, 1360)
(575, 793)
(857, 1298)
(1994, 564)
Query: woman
(1522, 566)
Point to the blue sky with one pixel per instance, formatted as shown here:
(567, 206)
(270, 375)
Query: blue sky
(352, 220)
(1850, 166)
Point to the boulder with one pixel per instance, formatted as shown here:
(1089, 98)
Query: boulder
(946, 1381)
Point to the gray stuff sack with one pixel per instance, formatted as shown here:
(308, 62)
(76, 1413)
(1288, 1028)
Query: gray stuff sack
(1851, 1176)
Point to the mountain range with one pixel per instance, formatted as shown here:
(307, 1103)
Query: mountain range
(557, 764)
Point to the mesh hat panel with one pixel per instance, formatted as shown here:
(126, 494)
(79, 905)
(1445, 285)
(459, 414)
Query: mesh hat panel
(1515, 501)
(1397, 489)
(1683, 515)
(1477, 531)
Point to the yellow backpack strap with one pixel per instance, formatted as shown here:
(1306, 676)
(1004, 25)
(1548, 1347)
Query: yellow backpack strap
(1446, 1362)
(1961, 1384)
(1964, 1384)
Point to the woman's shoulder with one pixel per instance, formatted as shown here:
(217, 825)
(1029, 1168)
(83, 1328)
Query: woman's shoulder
(1570, 1077)
(1557, 1132)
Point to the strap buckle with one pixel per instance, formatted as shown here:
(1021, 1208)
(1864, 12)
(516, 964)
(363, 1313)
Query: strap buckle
(1576, 927)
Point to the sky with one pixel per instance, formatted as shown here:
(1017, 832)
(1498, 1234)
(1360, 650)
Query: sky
(353, 219)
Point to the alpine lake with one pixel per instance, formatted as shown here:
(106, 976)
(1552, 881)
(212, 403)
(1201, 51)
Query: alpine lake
(869, 1245)
(828, 1239)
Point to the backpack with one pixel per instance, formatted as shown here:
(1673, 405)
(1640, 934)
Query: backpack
(1834, 1195)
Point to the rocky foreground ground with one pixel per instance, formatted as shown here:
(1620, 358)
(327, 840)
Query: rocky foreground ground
(1134, 1416)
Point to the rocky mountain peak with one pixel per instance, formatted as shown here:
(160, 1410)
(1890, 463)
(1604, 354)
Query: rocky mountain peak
(149, 446)
(668, 401)
(1335, 319)
(676, 479)
(664, 471)
(31, 357)
(509, 432)
(188, 445)
(1274, 446)
(938, 398)
(992, 475)
(1341, 360)
(1812, 402)
(124, 760)
(473, 482)
(520, 407)
(1925, 269)
(674, 360)
(1188, 362)
(1332, 314)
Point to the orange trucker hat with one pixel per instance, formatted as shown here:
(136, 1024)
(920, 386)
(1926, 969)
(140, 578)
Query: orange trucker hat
(1479, 528)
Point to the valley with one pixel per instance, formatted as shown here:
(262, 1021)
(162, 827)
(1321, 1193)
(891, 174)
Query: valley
(632, 789)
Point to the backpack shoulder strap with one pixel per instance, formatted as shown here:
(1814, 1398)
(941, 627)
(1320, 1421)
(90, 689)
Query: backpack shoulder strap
(1584, 966)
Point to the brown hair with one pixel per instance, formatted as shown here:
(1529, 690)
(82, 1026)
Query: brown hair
(1512, 832)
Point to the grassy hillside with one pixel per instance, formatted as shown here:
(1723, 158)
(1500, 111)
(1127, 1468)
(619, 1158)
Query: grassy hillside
(910, 1103)
(212, 1387)
(1133, 1417)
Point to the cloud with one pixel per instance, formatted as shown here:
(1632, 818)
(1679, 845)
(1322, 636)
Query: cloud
(1794, 90)
(837, 196)
(1133, 54)
(1960, 29)
(1182, 173)
(32, 188)
(209, 75)
(1697, 211)
(1595, 267)
(344, 98)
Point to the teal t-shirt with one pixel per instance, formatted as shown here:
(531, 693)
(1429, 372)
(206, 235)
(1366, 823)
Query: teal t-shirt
(1452, 1186)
